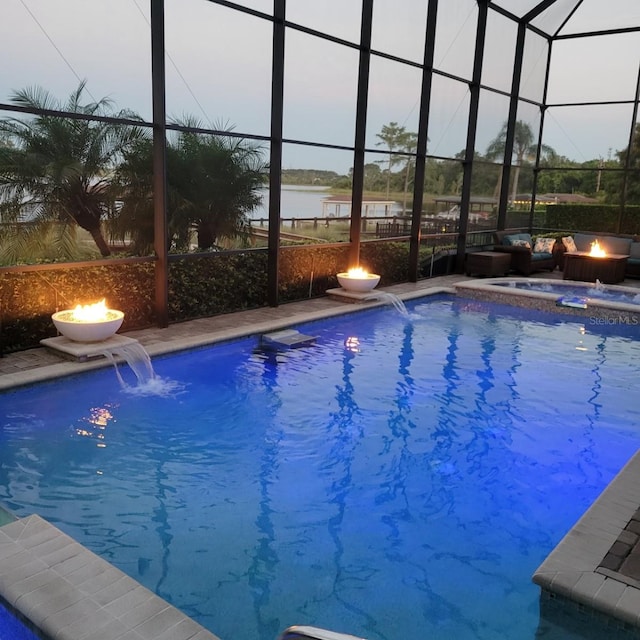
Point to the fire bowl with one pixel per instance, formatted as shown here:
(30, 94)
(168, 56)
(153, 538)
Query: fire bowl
(87, 331)
(360, 283)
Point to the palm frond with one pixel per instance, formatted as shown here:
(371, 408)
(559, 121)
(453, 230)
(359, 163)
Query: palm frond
(34, 98)
(22, 241)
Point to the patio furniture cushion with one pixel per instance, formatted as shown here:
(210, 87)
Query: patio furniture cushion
(634, 251)
(611, 244)
(569, 244)
(510, 240)
(521, 243)
(544, 245)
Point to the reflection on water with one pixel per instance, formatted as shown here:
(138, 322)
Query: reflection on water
(401, 478)
(95, 425)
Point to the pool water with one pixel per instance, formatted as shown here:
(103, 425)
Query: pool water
(599, 292)
(5, 516)
(399, 478)
(11, 628)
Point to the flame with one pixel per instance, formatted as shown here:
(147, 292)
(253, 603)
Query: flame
(357, 272)
(596, 250)
(90, 312)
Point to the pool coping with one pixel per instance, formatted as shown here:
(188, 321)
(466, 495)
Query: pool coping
(69, 593)
(572, 570)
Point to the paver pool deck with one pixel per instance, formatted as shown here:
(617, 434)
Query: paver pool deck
(71, 594)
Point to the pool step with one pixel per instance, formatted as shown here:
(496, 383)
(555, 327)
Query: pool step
(286, 339)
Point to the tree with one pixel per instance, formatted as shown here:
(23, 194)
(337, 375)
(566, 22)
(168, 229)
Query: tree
(524, 149)
(631, 155)
(409, 142)
(393, 136)
(213, 182)
(372, 176)
(57, 169)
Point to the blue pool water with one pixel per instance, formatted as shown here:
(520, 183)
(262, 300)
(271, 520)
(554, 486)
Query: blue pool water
(398, 479)
(11, 628)
(599, 292)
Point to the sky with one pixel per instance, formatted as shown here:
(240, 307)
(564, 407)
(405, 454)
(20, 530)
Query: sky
(219, 69)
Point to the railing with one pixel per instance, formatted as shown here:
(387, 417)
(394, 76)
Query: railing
(380, 226)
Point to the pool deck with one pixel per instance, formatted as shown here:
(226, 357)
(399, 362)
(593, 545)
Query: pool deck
(71, 594)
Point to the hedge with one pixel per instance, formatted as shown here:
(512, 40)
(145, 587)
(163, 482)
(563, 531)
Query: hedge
(593, 217)
(30, 297)
(199, 286)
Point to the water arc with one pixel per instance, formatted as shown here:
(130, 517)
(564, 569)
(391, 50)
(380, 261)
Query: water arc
(390, 298)
(139, 361)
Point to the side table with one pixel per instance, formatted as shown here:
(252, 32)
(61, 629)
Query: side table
(487, 263)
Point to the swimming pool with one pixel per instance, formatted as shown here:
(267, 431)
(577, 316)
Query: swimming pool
(396, 479)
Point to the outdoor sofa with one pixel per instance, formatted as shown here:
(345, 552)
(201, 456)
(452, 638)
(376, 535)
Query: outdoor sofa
(527, 255)
(525, 259)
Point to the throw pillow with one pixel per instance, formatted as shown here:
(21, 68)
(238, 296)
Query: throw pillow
(569, 244)
(510, 240)
(521, 243)
(544, 245)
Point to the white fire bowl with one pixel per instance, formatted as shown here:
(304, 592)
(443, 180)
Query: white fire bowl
(94, 331)
(359, 284)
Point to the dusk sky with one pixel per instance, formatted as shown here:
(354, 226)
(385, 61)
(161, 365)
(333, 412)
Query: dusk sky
(221, 78)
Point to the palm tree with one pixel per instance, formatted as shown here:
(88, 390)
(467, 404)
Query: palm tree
(212, 185)
(524, 149)
(58, 169)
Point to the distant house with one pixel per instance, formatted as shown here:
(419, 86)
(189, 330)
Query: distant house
(480, 208)
(555, 198)
(340, 206)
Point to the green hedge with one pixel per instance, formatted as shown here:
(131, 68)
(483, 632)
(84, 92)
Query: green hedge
(30, 298)
(593, 217)
(199, 286)
(214, 284)
(309, 270)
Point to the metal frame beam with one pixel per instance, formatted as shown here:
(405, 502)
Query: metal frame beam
(627, 160)
(275, 161)
(474, 89)
(160, 242)
(536, 166)
(421, 150)
(360, 132)
(512, 121)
